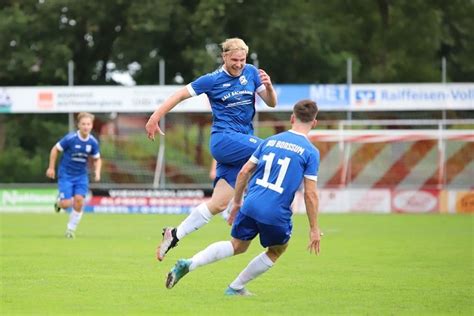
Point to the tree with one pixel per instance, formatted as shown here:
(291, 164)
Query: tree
(296, 42)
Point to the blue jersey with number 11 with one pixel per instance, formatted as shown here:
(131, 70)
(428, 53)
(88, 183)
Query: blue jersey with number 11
(282, 162)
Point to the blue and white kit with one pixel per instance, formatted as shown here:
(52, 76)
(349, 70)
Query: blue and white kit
(72, 172)
(232, 101)
(282, 161)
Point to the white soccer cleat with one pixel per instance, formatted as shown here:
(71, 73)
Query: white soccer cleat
(70, 234)
(169, 241)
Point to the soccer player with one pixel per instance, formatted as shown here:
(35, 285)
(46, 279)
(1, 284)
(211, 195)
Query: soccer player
(275, 170)
(73, 181)
(231, 90)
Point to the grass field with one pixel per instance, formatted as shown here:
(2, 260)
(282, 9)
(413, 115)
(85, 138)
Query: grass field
(369, 265)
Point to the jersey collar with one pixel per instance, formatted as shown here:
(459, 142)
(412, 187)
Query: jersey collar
(223, 69)
(297, 133)
(80, 137)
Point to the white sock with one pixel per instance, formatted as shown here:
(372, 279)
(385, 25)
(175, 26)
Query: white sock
(199, 217)
(257, 266)
(214, 252)
(74, 219)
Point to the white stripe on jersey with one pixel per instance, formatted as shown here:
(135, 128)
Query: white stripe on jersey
(310, 177)
(191, 90)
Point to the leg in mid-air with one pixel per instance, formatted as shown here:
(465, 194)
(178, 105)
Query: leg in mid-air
(214, 252)
(62, 204)
(231, 151)
(65, 194)
(57, 205)
(199, 216)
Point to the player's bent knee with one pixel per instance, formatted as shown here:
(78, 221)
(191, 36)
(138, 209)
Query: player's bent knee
(240, 246)
(78, 204)
(216, 208)
(65, 203)
(275, 252)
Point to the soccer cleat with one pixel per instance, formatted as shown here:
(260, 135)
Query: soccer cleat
(57, 209)
(70, 234)
(169, 241)
(242, 292)
(180, 269)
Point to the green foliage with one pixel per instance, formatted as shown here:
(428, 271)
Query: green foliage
(16, 166)
(28, 141)
(369, 265)
(296, 41)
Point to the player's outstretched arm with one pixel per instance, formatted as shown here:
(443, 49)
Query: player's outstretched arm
(152, 126)
(269, 94)
(53, 155)
(311, 201)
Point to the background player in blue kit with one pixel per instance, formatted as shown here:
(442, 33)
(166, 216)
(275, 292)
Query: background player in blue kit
(231, 90)
(73, 180)
(275, 170)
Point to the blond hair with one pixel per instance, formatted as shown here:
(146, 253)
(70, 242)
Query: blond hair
(82, 115)
(233, 44)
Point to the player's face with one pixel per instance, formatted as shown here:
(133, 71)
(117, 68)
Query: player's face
(85, 125)
(234, 62)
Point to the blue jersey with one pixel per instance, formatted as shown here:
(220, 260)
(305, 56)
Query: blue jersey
(282, 162)
(232, 98)
(76, 151)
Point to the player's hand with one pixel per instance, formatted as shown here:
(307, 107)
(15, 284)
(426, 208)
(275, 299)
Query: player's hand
(314, 241)
(233, 213)
(265, 78)
(152, 128)
(50, 173)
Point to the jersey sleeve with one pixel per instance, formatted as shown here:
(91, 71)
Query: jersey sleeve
(259, 87)
(201, 85)
(256, 154)
(63, 143)
(312, 166)
(95, 153)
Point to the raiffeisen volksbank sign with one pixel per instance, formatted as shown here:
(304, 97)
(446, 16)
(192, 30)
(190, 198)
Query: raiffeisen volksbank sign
(329, 97)
(412, 96)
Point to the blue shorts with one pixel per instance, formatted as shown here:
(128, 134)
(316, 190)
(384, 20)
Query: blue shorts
(72, 185)
(246, 228)
(231, 150)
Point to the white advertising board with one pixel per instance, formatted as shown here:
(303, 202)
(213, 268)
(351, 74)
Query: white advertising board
(356, 97)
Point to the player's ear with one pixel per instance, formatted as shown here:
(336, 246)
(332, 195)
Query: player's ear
(315, 122)
(292, 119)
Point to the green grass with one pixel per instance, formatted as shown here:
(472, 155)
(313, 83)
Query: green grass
(369, 265)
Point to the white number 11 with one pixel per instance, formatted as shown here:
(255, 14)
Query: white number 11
(284, 163)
